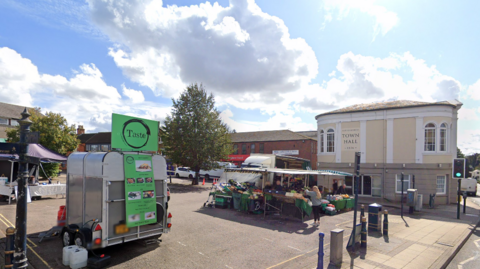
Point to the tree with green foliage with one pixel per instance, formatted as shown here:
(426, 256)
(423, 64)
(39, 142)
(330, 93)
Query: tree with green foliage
(194, 135)
(460, 153)
(55, 134)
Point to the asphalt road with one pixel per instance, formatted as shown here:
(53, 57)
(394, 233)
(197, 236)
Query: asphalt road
(469, 256)
(200, 237)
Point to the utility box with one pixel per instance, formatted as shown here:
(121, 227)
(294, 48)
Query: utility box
(419, 204)
(375, 217)
(412, 195)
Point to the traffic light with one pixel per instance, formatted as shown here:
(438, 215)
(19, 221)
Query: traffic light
(458, 168)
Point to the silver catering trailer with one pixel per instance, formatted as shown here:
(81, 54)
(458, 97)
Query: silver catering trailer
(95, 207)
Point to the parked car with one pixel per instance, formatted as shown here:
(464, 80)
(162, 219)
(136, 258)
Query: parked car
(469, 185)
(216, 173)
(184, 172)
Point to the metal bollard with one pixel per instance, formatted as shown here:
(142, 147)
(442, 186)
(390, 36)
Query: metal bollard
(320, 251)
(362, 211)
(464, 194)
(432, 200)
(363, 239)
(9, 247)
(385, 223)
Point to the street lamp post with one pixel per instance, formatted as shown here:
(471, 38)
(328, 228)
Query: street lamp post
(20, 255)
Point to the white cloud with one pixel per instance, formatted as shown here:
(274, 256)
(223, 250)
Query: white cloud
(474, 90)
(469, 141)
(135, 96)
(85, 98)
(363, 79)
(236, 52)
(385, 20)
(467, 114)
(279, 121)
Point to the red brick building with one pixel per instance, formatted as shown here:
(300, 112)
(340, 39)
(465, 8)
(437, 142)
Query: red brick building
(281, 142)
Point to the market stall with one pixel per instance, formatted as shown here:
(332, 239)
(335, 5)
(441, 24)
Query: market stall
(36, 155)
(249, 189)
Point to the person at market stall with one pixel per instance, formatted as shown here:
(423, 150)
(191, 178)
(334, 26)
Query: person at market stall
(342, 189)
(335, 186)
(278, 186)
(316, 198)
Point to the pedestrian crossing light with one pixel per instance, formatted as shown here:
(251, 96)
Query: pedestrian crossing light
(458, 168)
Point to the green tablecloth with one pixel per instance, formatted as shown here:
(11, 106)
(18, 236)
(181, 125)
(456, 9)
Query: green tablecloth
(339, 205)
(350, 203)
(244, 202)
(303, 206)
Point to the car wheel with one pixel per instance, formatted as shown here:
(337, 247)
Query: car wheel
(177, 175)
(190, 176)
(207, 177)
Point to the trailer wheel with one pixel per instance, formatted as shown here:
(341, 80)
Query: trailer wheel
(83, 237)
(177, 175)
(67, 238)
(190, 176)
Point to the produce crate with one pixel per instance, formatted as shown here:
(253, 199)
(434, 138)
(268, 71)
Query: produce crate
(331, 213)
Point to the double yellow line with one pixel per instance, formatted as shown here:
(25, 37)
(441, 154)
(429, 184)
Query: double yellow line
(9, 224)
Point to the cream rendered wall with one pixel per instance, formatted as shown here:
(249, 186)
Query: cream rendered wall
(325, 159)
(348, 156)
(404, 140)
(376, 133)
(437, 120)
(446, 158)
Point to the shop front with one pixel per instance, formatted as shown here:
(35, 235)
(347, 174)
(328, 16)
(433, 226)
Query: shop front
(237, 159)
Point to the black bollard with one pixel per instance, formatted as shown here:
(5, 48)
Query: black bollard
(9, 247)
(362, 211)
(363, 238)
(385, 223)
(464, 201)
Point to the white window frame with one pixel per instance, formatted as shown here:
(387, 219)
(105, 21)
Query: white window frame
(322, 141)
(444, 185)
(326, 144)
(406, 179)
(440, 129)
(425, 128)
(3, 121)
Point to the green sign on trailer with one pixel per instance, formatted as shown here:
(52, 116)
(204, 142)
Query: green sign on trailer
(140, 197)
(134, 134)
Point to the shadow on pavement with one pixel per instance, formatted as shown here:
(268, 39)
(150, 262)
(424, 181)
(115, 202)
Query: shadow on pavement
(50, 250)
(285, 224)
(182, 188)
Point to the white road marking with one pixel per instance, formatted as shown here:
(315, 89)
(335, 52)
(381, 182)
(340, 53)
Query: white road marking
(472, 215)
(182, 244)
(295, 248)
(228, 266)
(460, 265)
(268, 239)
(203, 254)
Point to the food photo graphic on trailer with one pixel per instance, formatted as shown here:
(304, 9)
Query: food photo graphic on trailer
(139, 190)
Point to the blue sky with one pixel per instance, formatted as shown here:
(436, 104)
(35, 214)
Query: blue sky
(271, 64)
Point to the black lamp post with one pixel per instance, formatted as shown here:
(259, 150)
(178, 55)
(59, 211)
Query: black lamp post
(21, 219)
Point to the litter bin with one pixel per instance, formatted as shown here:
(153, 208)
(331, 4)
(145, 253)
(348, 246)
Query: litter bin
(374, 217)
(237, 197)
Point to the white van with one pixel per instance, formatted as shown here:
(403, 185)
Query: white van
(216, 173)
(469, 185)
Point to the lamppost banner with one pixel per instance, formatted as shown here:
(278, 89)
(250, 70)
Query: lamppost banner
(139, 190)
(134, 134)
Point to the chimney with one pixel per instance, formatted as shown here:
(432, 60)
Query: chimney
(80, 130)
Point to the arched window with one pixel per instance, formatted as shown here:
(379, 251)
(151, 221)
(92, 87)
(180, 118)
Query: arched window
(330, 140)
(321, 141)
(430, 137)
(443, 137)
